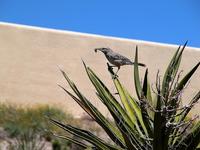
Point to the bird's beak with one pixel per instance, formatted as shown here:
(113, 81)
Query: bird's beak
(96, 49)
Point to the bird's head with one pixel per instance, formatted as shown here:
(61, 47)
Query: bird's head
(103, 50)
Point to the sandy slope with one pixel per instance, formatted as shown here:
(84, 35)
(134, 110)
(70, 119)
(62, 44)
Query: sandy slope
(29, 60)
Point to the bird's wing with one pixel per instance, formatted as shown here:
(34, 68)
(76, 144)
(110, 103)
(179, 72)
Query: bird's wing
(122, 58)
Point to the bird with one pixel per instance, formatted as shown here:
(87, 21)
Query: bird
(116, 59)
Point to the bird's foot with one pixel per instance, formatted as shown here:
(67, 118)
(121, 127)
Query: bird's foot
(115, 76)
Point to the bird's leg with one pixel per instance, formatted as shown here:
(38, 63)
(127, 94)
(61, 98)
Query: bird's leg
(117, 70)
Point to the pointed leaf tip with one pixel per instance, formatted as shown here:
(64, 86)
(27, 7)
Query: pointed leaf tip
(186, 43)
(83, 62)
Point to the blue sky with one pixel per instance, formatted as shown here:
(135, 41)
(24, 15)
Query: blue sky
(167, 21)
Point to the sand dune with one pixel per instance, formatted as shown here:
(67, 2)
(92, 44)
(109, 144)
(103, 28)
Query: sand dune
(30, 58)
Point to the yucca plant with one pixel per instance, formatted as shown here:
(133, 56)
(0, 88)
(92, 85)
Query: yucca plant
(155, 119)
